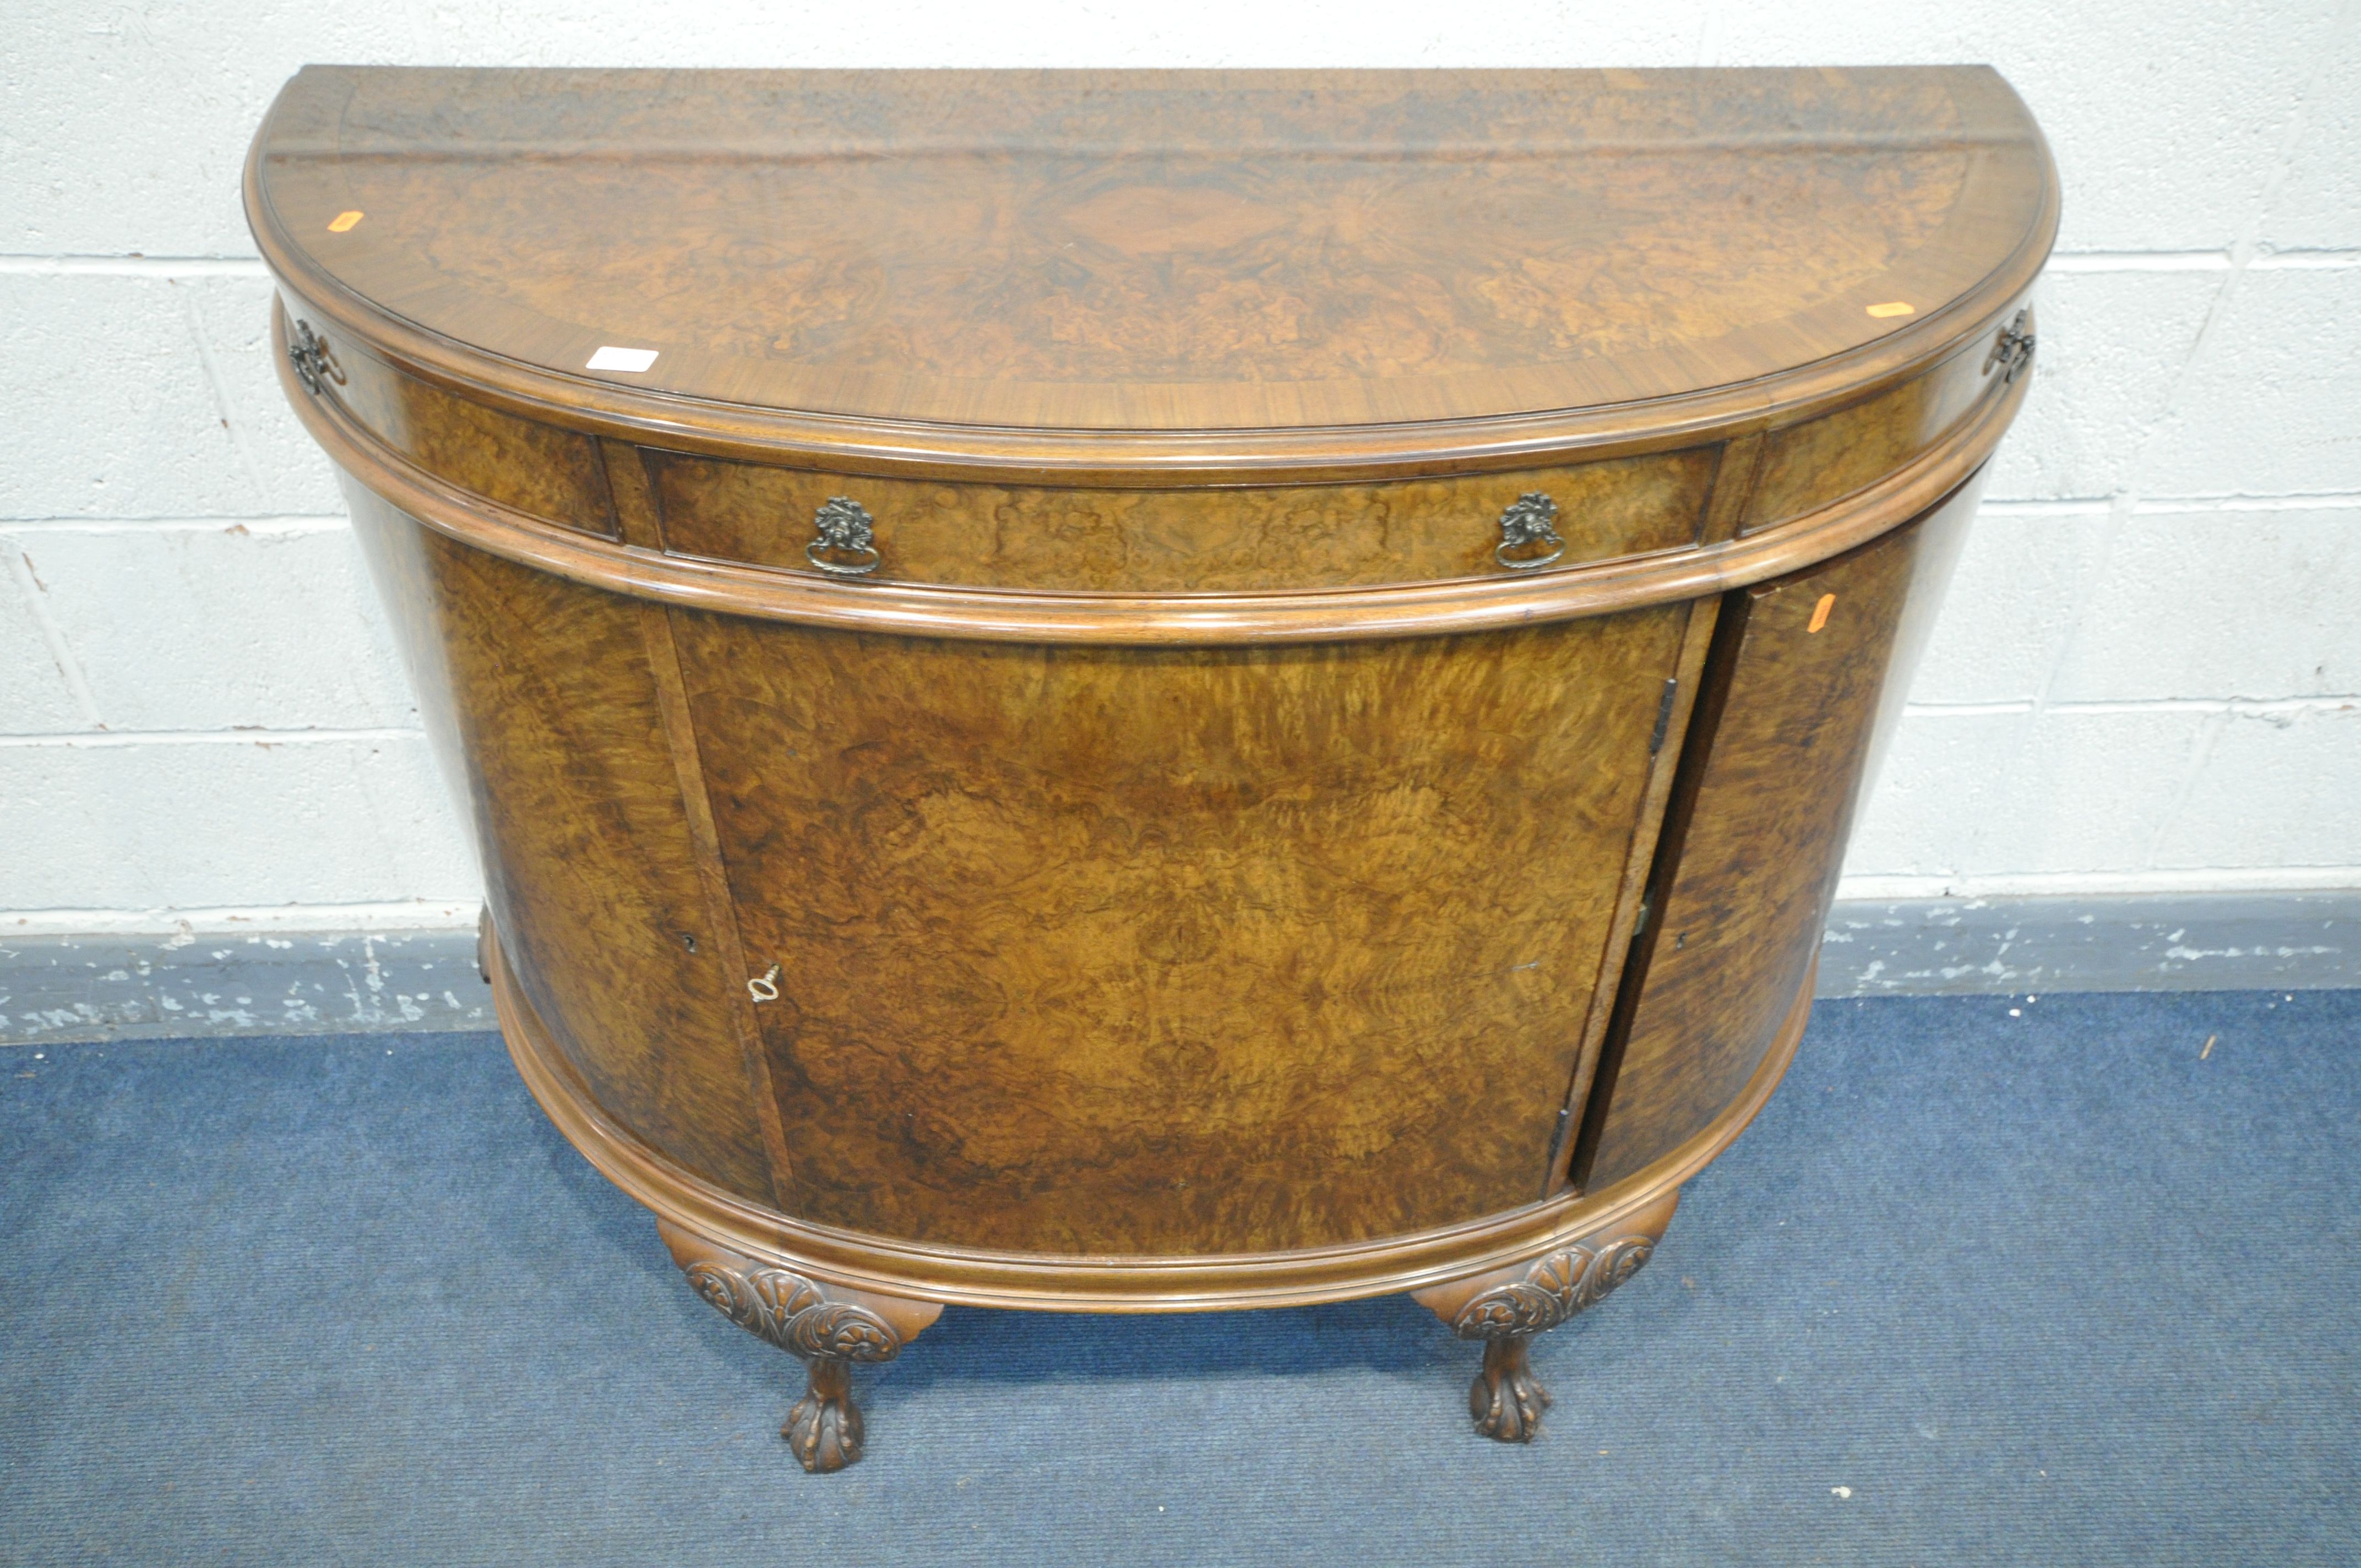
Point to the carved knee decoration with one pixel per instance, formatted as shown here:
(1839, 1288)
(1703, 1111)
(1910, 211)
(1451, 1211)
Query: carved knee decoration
(1507, 1308)
(829, 1326)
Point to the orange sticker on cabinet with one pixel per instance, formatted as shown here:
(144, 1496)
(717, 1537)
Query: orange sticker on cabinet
(1820, 612)
(1894, 307)
(341, 221)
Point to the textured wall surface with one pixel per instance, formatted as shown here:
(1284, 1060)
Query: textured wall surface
(2144, 678)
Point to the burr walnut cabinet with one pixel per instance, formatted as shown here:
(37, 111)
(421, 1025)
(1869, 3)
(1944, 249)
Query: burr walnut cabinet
(1144, 692)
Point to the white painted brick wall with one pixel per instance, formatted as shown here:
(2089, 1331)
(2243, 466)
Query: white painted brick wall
(2112, 346)
(2268, 401)
(209, 820)
(161, 621)
(2169, 612)
(2146, 675)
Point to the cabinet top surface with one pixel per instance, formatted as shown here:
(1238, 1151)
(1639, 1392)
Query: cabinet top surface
(1141, 254)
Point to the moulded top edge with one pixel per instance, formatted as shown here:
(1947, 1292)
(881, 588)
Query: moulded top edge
(1180, 267)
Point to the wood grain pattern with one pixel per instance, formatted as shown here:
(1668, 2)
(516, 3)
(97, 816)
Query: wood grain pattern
(538, 468)
(1192, 872)
(586, 856)
(917, 1271)
(1263, 618)
(1755, 845)
(1199, 540)
(1158, 253)
(1112, 952)
(1811, 463)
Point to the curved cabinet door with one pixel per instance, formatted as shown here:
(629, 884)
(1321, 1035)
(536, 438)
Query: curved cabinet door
(1153, 951)
(590, 863)
(1755, 837)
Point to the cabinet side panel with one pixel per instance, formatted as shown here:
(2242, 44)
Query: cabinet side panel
(543, 687)
(1758, 844)
(1155, 951)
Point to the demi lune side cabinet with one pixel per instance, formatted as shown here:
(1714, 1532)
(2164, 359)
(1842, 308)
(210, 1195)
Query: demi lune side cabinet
(1153, 691)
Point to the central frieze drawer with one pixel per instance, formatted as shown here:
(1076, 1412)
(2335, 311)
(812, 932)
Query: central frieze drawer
(1183, 541)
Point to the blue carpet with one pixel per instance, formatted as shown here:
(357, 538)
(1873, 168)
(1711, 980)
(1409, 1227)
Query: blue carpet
(2049, 1288)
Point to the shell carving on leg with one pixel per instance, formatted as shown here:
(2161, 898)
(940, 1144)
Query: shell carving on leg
(1507, 1308)
(829, 1327)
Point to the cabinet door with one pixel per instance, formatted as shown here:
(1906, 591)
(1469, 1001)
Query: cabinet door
(1794, 692)
(557, 741)
(1141, 950)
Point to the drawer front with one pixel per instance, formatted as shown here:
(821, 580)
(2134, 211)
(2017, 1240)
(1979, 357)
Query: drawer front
(1807, 465)
(539, 469)
(1181, 540)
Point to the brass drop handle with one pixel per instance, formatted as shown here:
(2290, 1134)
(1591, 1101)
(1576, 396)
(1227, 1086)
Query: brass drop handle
(2013, 349)
(1531, 520)
(314, 364)
(844, 538)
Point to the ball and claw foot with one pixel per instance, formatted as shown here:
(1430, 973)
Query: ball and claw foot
(1506, 1398)
(824, 1429)
(828, 1326)
(1507, 1307)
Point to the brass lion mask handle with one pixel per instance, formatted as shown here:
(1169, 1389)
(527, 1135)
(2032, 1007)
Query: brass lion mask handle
(844, 538)
(1529, 522)
(315, 364)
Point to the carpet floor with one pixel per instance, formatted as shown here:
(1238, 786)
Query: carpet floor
(1991, 1281)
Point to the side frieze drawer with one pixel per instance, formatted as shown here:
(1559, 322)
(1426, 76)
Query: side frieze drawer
(1180, 541)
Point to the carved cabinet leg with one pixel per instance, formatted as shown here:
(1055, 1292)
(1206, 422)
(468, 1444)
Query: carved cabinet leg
(829, 1326)
(824, 1429)
(1506, 1398)
(1508, 1307)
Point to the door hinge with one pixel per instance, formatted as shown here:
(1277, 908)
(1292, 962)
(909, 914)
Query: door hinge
(1663, 717)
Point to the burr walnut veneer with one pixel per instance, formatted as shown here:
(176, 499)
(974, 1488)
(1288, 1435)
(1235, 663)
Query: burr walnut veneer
(1161, 691)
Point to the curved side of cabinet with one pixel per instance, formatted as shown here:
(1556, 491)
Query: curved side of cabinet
(589, 865)
(1441, 608)
(1755, 837)
(542, 470)
(980, 1278)
(1636, 497)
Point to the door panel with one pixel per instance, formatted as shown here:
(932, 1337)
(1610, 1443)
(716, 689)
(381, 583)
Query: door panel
(1755, 838)
(1159, 950)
